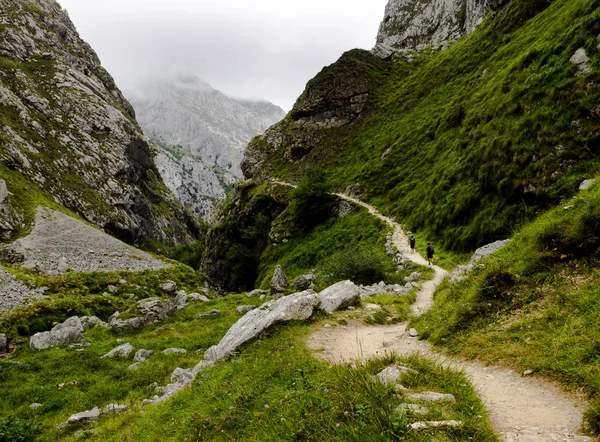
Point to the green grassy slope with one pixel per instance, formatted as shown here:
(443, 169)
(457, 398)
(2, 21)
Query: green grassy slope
(468, 144)
(534, 304)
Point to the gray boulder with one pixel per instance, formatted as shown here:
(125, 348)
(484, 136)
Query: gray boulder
(256, 292)
(155, 310)
(339, 296)
(169, 287)
(171, 351)
(35, 406)
(305, 282)
(89, 322)
(243, 309)
(3, 343)
(198, 297)
(297, 307)
(279, 282)
(83, 418)
(393, 374)
(586, 184)
(436, 424)
(413, 277)
(458, 274)
(431, 396)
(208, 314)
(116, 408)
(181, 300)
(412, 409)
(66, 333)
(122, 351)
(142, 355)
(383, 288)
(583, 62)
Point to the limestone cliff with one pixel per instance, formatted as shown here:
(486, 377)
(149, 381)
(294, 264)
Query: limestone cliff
(414, 25)
(208, 129)
(66, 127)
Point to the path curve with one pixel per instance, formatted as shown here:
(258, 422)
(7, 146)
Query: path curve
(523, 409)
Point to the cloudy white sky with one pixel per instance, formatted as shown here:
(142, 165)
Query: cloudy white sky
(264, 49)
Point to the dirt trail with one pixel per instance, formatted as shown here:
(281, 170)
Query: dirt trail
(523, 409)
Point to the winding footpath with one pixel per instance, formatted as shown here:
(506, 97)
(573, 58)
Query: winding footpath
(523, 409)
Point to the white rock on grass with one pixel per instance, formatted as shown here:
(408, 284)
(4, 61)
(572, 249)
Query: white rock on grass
(198, 297)
(581, 59)
(413, 333)
(412, 409)
(297, 307)
(83, 418)
(169, 287)
(279, 281)
(89, 322)
(243, 309)
(393, 374)
(426, 425)
(122, 351)
(170, 351)
(142, 355)
(35, 406)
(256, 292)
(339, 296)
(458, 274)
(586, 184)
(66, 333)
(181, 300)
(210, 313)
(116, 408)
(431, 396)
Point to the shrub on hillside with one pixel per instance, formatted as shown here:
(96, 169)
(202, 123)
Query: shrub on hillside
(312, 202)
(360, 265)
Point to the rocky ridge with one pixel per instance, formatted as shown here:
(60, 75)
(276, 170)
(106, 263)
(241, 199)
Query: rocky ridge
(68, 129)
(200, 135)
(414, 25)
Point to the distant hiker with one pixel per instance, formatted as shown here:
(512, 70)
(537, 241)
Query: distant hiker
(430, 253)
(413, 241)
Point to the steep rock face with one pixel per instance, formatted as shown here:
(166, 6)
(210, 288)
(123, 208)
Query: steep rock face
(208, 130)
(67, 128)
(413, 25)
(333, 99)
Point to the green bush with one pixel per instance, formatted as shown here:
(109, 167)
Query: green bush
(14, 429)
(362, 265)
(312, 202)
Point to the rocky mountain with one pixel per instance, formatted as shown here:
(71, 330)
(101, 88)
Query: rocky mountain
(69, 136)
(208, 130)
(462, 144)
(414, 25)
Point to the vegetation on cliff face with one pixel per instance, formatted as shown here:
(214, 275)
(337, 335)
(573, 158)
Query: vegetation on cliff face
(469, 143)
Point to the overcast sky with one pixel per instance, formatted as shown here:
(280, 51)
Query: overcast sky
(264, 49)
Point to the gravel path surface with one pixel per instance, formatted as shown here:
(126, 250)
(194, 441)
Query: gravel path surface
(525, 409)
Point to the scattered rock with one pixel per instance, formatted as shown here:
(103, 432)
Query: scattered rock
(116, 408)
(198, 297)
(169, 287)
(581, 59)
(382, 288)
(79, 346)
(412, 409)
(527, 372)
(339, 296)
(256, 292)
(208, 314)
(305, 282)
(170, 351)
(431, 396)
(83, 418)
(279, 282)
(122, 351)
(413, 333)
(373, 307)
(89, 322)
(3, 343)
(122, 282)
(66, 333)
(413, 277)
(153, 310)
(181, 300)
(435, 424)
(67, 384)
(586, 184)
(393, 374)
(458, 274)
(142, 355)
(243, 309)
(35, 406)
(296, 307)
(112, 289)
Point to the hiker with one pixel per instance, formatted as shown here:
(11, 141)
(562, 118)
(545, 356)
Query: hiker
(413, 241)
(430, 253)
